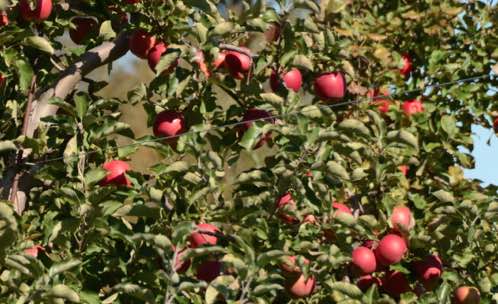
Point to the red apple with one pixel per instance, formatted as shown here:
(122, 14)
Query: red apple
(292, 80)
(467, 295)
(379, 100)
(40, 12)
(310, 219)
(395, 283)
(220, 60)
(85, 27)
(154, 57)
(181, 264)
(404, 169)
(330, 86)
(132, 1)
(340, 207)
(272, 33)
(402, 217)
(238, 63)
(429, 271)
(300, 287)
(366, 281)
(116, 170)
(119, 18)
(391, 249)
(200, 60)
(407, 65)
(141, 43)
(204, 235)
(287, 201)
(209, 270)
(364, 259)
(169, 125)
(413, 106)
(2, 79)
(495, 124)
(34, 250)
(250, 117)
(4, 19)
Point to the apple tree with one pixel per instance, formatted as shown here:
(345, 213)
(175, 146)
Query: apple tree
(312, 152)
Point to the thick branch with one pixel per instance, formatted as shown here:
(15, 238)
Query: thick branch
(94, 58)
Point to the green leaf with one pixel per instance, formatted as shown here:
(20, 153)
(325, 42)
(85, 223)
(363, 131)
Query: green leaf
(167, 60)
(266, 288)
(64, 292)
(337, 170)
(251, 137)
(346, 288)
(7, 145)
(106, 32)
(444, 196)
(354, 126)
(223, 28)
(62, 267)
(94, 175)
(81, 102)
(272, 98)
(25, 72)
(40, 43)
(71, 150)
(448, 123)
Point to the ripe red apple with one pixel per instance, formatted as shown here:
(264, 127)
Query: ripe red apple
(340, 207)
(141, 43)
(391, 249)
(395, 283)
(209, 270)
(85, 27)
(286, 200)
(119, 18)
(300, 287)
(495, 124)
(181, 264)
(201, 61)
(366, 281)
(404, 169)
(467, 295)
(330, 86)
(4, 19)
(116, 170)
(429, 271)
(413, 106)
(402, 217)
(252, 115)
(40, 12)
(377, 99)
(155, 54)
(238, 63)
(292, 80)
(34, 250)
(407, 65)
(310, 219)
(204, 235)
(2, 79)
(364, 259)
(220, 60)
(169, 125)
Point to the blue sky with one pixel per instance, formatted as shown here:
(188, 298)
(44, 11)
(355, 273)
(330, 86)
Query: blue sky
(486, 156)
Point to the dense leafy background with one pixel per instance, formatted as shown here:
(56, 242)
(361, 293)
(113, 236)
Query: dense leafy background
(114, 244)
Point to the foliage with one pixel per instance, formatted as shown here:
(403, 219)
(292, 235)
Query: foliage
(114, 244)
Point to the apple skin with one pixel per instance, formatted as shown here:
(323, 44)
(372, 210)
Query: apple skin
(167, 124)
(407, 65)
(377, 99)
(132, 1)
(208, 270)
(237, 63)
(41, 12)
(340, 207)
(259, 115)
(366, 281)
(300, 287)
(116, 170)
(495, 124)
(273, 32)
(85, 26)
(429, 271)
(402, 217)
(330, 86)
(4, 19)
(34, 250)
(181, 265)
(154, 57)
(2, 79)
(220, 60)
(467, 295)
(141, 43)
(292, 80)
(310, 219)
(391, 249)
(201, 62)
(364, 259)
(286, 199)
(395, 283)
(404, 169)
(199, 238)
(411, 107)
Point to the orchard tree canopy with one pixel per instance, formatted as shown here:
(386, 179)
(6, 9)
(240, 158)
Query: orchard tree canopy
(351, 121)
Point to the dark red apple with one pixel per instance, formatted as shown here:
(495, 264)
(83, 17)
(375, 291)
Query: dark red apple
(467, 295)
(404, 169)
(116, 170)
(413, 106)
(181, 264)
(330, 86)
(292, 80)
(204, 235)
(34, 250)
(340, 207)
(119, 18)
(154, 57)
(250, 117)
(366, 281)
(4, 19)
(238, 63)
(395, 283)
(364, 259)
(391, 249)
(141, 42)
(407, 65)
(84, 28)
(169, 125)
(132, 1)
(40, 12)
(272, 33)
(429, 271)
(2, 79)
(495, 124)
(209, 270)
(402, 218)
(287, 201)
